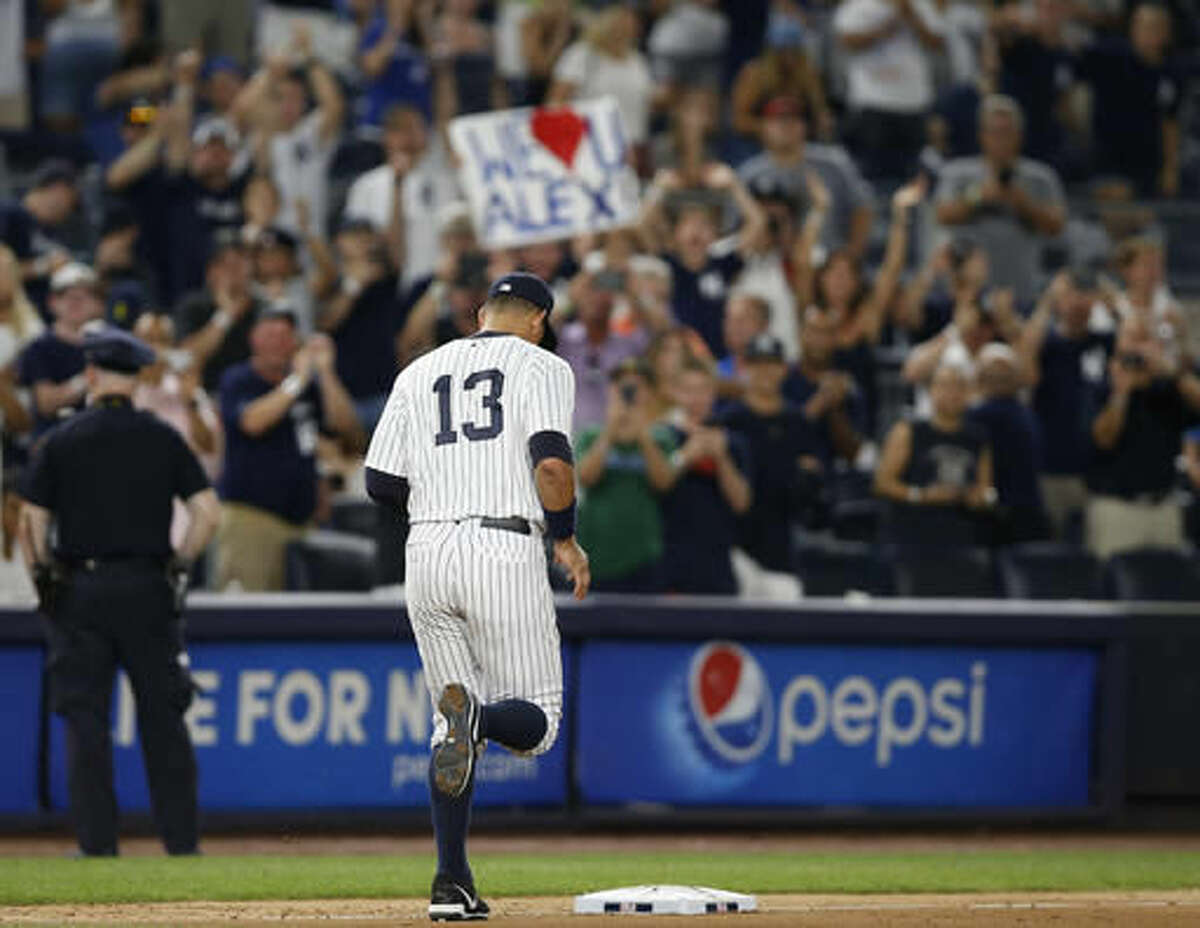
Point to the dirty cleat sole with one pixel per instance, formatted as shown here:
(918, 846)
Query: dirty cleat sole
(454, 758)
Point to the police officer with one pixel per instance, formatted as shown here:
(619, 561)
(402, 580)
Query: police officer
(110, 588)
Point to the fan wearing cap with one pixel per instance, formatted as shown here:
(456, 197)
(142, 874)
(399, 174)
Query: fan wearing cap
(28, 226)
(786, 472)
(783, 69)
(52, 364)
(112, 588)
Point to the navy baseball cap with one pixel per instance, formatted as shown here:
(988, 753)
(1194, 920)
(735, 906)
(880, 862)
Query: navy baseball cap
(524, 286)
(113, 349)
(127, 301)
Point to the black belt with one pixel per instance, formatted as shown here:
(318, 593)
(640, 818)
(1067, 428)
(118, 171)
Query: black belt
(511, 524)
(150, 562)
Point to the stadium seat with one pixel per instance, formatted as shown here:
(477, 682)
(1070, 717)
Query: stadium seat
(840, 567)
(355, 517)
(1154, 574)
(330, 561)
(963, 572)
(858, 520)
(1045, 570)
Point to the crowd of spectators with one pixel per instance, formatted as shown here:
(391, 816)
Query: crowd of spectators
(957, 197)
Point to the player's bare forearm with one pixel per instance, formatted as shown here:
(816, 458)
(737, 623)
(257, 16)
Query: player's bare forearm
(204, 512)
(555, 481)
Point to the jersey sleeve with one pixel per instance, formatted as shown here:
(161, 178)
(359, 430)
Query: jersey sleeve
(549, 397)
(389, 450)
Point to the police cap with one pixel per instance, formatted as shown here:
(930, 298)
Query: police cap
(113, 349)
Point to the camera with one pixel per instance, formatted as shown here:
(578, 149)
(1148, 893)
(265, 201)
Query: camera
(472, 270)
(1005, 175)
(629, 393)
(1131, 360)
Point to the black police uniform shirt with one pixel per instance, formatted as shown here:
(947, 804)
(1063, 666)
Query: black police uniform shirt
(109, 475)
(29, 240)
(1015, 438)
(1068, 398)
(194, 313)
(277, 470)
(699, 527)
(775, 443)
(698, 297)
(366, 340)
(1142, 462)
(1136, 98)
(49, 359)
(195, 215)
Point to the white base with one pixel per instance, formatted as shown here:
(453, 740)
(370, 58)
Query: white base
(664, 900)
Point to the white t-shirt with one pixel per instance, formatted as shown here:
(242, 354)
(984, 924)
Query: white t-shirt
(510, 56)
(300, 161)
(893, 74)
(428, 187)
(12, 48)
(595, 74)
(765, 277)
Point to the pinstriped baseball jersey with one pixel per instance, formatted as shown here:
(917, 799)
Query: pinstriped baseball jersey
(457, 425)
(458, 422)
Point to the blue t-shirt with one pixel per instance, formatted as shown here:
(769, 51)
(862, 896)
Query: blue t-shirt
(275, 471)
(196, 213)
(1015, 439)
(1067, 398)
(49, 359)
(406, 79)
(698, 297)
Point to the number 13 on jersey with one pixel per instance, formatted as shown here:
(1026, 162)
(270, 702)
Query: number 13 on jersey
(492, 380)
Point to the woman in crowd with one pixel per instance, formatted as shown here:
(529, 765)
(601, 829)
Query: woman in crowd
(936, 473)
(861, 310)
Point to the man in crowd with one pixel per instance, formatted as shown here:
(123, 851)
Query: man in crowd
(300, 143)
(785, 472)
(1008, 204)
(1138, 437)
(29, 227)
(215, 322)
(890, 81)
(787, 158)
(1137, 92)
(624, 466)
(1066, 361)
(273, 408)
(51, 366)
(829, 398)
(592, 348)
(746, 317)
(419, 169)
(1015, 439)
(710, 490)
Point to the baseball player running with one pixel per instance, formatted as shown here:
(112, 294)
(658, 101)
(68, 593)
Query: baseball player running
(478, 431)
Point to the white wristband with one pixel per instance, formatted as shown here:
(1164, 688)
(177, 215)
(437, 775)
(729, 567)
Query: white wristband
(292, 385)
(222, 320)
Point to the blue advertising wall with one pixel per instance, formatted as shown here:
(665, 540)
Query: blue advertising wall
(722, 723)
(984, 712)
(312, 725)
(20, 698)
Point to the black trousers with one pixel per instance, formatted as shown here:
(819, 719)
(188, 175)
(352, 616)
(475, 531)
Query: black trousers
(121, 615)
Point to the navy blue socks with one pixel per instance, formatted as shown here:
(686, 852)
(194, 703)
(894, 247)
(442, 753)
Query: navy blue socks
(451, 819)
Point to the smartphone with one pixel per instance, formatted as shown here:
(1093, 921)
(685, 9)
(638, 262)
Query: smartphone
(1006, 175)
(629, 393)
(1131, 360)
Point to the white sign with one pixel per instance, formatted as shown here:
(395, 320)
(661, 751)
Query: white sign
(534, 175)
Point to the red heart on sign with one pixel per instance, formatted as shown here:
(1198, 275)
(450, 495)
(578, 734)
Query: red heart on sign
(560, 130)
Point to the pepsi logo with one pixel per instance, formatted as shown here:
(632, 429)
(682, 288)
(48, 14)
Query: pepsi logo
(730, 701)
